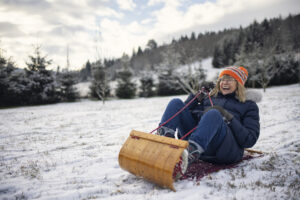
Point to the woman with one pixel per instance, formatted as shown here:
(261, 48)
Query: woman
(224, 129)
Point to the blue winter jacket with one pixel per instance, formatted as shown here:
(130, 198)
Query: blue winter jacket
(242, 132)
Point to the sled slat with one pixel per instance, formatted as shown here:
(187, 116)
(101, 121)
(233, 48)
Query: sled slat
(152, 157)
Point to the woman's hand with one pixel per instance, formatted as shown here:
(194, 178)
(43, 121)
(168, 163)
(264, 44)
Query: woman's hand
(228, 116)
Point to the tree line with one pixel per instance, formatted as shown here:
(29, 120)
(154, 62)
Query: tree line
(270, 50)
(35, 84)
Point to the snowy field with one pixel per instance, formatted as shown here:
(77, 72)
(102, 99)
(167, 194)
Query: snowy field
(70, 151)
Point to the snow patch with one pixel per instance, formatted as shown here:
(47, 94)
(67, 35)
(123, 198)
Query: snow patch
(70, 151)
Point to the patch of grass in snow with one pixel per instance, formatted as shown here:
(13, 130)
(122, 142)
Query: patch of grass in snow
(278, 177)
(269, 165)
(48, 166)
(31, 170)
(231, 185)
(271, 176)
(91, 196)
(20, 196)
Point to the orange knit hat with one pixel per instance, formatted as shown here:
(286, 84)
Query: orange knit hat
(238, 73)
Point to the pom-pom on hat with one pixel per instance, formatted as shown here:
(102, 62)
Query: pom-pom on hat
(238, 73)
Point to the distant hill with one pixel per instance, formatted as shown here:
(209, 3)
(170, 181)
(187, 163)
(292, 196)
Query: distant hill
(274, 35)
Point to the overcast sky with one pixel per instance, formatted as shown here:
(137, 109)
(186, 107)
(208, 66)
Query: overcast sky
(107, 28)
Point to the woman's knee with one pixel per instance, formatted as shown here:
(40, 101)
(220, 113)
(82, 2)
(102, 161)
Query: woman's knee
(213, 114)
(176, 103)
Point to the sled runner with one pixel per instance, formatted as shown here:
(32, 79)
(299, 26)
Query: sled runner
(152, 157)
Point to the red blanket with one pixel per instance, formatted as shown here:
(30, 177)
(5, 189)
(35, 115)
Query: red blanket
(200, 169)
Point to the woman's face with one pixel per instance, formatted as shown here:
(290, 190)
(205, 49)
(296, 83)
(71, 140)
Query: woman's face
(228, 85)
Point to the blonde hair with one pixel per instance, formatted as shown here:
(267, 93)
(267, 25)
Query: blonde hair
(240, 92)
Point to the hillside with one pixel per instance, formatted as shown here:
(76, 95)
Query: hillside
(70, 151)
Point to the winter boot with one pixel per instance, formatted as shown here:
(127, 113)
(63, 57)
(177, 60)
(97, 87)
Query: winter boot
(181, 167)
(165, 131)
(195, 150)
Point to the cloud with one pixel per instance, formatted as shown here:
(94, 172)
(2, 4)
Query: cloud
(25, 6)
(172, 20)
(169, 18)
(156, 2)
(97, 28)
(147, 21)
(117, 38)
(54, 25)
(126, 4)
(9, 30)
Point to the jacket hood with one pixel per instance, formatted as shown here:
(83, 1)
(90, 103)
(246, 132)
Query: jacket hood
(253, 95)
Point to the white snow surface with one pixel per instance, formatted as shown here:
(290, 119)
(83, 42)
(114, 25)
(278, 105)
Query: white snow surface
(212, 73)
(206, 64)
(70, 151)
(83, 89)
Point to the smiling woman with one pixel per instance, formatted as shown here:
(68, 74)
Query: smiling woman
(222, 125)
(227, 84)
(232, 79)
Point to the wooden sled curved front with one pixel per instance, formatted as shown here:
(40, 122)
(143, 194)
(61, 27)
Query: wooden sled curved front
(152, 157)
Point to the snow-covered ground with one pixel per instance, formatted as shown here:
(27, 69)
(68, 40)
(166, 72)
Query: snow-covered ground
(206, 64)
(211, 73)
(70, 151)
(83, 89)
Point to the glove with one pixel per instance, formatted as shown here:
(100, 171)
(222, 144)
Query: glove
(191, 96)
(228, 116)
(200, 97)
(208, 86)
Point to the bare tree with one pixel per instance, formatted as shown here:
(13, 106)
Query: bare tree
(260, 65)
(188, 80)
(100, 84)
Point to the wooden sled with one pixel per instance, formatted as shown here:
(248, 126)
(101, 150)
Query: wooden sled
(152, 157)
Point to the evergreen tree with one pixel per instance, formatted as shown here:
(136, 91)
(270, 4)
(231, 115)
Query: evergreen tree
(67, 90)
(139, 52)
(126, 88)
(226, 50)
(252, 62)
(218, 58)
(193, 37)
(254, 37)
(14, 83)
(42, 85)
(147, 86)
(168, 81)
(285, 69)
(86, 72)
(152, 45)
(3, 78)
(11, 92)
(38, 62)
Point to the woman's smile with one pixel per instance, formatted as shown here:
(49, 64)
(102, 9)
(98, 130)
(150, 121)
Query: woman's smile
(228, 85)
